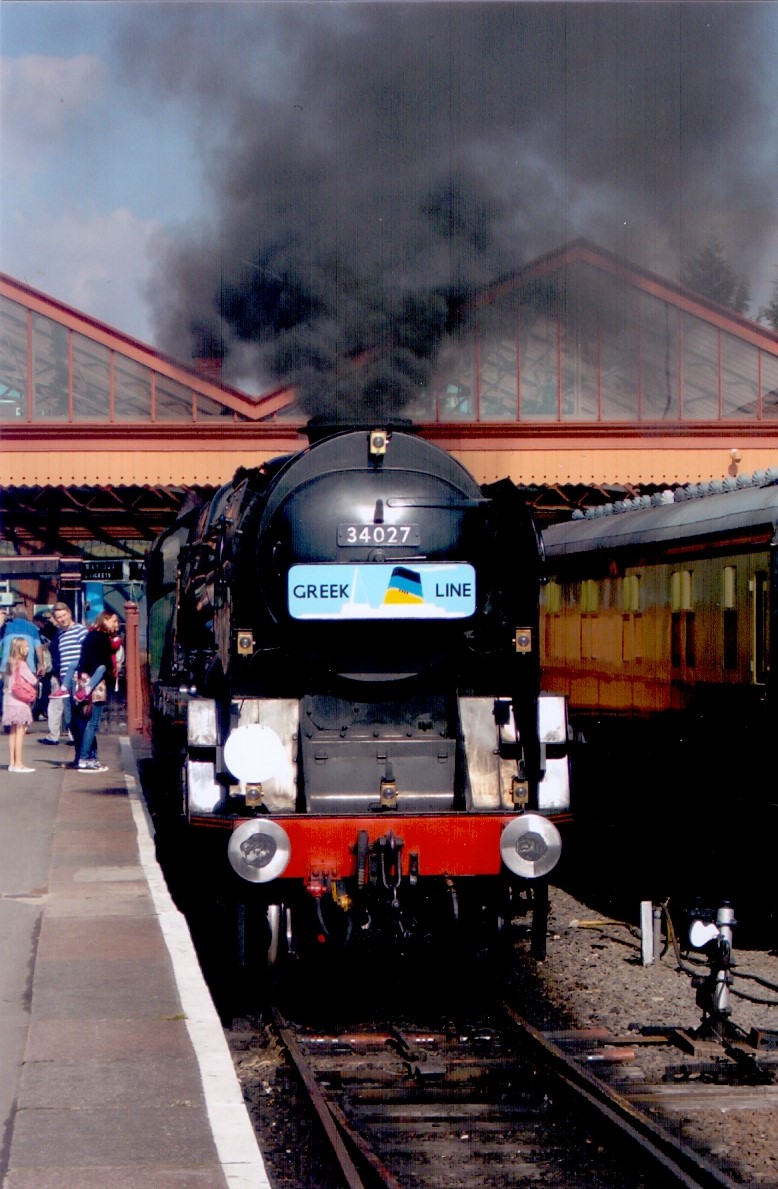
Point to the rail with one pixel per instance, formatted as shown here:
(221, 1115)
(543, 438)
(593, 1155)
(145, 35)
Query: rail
(443, 1092)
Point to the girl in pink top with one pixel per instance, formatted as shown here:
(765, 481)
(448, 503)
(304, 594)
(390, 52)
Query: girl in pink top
(17, 715)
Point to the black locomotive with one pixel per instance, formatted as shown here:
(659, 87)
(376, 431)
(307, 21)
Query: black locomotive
(344, 665)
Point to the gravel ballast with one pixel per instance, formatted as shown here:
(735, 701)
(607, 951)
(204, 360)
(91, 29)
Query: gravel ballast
(593, 977)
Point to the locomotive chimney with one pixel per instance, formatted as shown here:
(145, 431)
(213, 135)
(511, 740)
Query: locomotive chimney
(209, 366)
(208, 352)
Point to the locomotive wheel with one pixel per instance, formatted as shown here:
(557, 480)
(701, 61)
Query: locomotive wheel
(253, 937)
(472, 915)
(539, 919)
(264, 944)
(251, 945)
(279, 920)
(483, 912)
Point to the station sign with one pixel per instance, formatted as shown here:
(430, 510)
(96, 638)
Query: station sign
(112, 571)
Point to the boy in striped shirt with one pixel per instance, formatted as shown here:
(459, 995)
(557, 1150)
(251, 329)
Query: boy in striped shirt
(65, 651)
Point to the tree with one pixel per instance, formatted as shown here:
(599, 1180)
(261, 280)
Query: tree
(770, 312)
(709, 274)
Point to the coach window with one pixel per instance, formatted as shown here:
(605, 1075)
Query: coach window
(760, 586)
(630, 593)
(682, 642)
(551, 595)
(590, 602)
(590, 596)
(631, 619)
(729, 613)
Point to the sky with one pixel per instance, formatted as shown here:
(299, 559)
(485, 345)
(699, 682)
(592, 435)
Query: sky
(289, 183)
(92, 172)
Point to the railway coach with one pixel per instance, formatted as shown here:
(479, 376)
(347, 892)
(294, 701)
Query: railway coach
(659, 625)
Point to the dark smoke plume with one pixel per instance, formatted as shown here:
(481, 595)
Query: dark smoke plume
(371, 165)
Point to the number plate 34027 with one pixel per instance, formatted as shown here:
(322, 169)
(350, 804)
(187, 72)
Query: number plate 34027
(378, 534)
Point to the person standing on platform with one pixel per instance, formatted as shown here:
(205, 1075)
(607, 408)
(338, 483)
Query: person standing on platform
(47, 632)
(119, 657)
(65, 651)
(88, 700)
(3, 622)
(18, 626)
(17, 708)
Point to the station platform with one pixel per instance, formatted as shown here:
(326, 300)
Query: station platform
(114, 1068)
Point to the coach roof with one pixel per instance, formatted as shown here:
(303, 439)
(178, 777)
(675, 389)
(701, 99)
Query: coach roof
(706, 516)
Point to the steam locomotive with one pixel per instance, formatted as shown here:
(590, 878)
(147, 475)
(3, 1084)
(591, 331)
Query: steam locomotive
(345, 683)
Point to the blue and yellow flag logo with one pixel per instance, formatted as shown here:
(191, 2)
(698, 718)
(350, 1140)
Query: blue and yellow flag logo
(404, 587)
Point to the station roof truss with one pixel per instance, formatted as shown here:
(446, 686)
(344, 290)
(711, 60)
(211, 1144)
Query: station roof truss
(91, 522)
(580, 376)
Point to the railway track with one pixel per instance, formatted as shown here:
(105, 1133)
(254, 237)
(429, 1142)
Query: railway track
(496, 1102)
